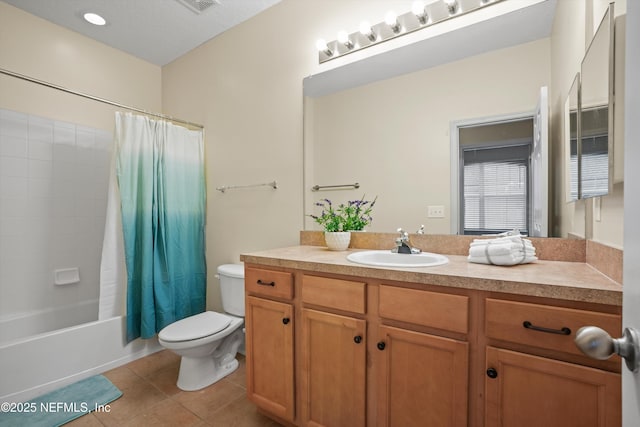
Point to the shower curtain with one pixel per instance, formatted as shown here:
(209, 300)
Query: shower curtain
(161, 180)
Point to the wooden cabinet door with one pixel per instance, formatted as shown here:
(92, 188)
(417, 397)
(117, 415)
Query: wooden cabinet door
(334, 366)
(269, 341)
(525, 391)
(422, 379)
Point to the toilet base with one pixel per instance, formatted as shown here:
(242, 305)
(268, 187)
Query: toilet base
(198, 373)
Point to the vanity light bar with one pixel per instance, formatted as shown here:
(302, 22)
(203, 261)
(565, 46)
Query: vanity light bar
(421, 16)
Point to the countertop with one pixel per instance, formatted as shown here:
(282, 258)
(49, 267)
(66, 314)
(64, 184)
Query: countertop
(573, 281)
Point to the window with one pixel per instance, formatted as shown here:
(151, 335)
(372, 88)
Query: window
(495, 177)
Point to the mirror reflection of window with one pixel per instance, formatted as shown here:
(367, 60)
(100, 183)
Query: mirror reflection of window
(495, 180)
(595, 152)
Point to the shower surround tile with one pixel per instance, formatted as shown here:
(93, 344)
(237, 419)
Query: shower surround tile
(53, 192)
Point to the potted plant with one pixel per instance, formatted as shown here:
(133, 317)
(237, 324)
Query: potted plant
(338, 222)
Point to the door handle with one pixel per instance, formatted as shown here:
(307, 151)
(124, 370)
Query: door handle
(598, 344)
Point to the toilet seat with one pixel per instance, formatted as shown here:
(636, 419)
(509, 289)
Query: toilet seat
(195, 327)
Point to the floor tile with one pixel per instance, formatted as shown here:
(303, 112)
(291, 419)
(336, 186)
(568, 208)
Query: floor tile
(150, 397)
(209, 400)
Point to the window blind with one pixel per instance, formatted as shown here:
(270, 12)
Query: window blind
(496, 189)
(595, 166)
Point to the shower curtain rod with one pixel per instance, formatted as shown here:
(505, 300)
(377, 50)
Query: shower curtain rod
(95, 98)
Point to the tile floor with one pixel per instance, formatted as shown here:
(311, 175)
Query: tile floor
(150, 397)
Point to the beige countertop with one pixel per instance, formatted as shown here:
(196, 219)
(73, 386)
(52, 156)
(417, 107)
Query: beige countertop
(573, 281)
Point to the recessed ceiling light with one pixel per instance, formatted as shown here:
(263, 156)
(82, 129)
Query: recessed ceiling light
(94, 18)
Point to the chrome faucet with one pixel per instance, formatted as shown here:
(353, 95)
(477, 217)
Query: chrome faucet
(403, 245)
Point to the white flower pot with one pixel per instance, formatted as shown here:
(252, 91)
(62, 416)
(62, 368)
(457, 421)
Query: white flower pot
(337, 240)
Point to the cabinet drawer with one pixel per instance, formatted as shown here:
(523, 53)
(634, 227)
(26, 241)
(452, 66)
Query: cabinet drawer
(334, 293)
(433, 309)
(269, 283)
(543, 326)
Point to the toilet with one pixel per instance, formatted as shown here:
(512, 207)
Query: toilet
(208, 342)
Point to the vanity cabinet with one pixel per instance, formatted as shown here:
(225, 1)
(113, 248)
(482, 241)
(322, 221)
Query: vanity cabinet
(526, 391)
(269, 325)
(547, 381)
(334, 369)
(334, 352)
(422, 377)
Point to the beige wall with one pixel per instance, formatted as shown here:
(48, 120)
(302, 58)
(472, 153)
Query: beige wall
(393, 137)
(45, 51)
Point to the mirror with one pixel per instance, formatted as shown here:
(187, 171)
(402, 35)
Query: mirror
(596, 113)
(571, 146)
(393, 135)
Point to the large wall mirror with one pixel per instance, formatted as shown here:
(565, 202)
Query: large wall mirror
(596, 112)
(393, 136)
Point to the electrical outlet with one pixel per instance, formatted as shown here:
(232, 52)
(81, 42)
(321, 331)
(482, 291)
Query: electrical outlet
(435, 211)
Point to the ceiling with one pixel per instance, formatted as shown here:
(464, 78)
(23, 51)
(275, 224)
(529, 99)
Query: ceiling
(157, 31)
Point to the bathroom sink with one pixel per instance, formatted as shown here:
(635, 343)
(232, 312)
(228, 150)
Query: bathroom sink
(390, 259)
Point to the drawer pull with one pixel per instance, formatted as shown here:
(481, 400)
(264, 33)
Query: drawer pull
(381, 345)
(285, 320)
(562, 331)
(357, 339)
(260, 282)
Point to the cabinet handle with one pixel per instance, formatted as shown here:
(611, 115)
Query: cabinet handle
(492, 373)
(286, 320)
(381, 345)
(561, 331)
(260, 282)
(357, 339)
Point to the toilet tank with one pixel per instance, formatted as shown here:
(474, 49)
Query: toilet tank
(232, 288)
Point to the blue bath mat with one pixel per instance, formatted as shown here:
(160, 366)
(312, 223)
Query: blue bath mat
(61, 406)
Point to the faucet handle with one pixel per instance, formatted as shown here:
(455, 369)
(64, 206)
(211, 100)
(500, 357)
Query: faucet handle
(420, 230)
(403, 234)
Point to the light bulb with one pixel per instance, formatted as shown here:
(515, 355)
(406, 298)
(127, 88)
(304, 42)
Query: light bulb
(391, 19)
(343, 38)
(418, 9)
(452, 5)
(321, 45)
(365, 30)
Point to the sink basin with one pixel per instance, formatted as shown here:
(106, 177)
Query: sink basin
(390, 259)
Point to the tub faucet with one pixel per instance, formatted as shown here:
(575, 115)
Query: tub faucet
(403, 245)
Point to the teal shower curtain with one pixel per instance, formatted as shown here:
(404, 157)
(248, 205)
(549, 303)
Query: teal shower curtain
(161, 178)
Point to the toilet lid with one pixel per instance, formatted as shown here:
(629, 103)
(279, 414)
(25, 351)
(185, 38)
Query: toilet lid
(195, 327)
(232, 270)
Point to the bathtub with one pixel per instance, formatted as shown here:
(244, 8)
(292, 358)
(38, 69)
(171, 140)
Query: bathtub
(35, 365)
(27, 324)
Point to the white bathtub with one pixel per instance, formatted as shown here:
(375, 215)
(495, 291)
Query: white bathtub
(28, 324)
(32, 366)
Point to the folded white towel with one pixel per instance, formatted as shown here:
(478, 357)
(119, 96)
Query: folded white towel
(500, 249)
(510, 250)
(503, 259)
(510, 239)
